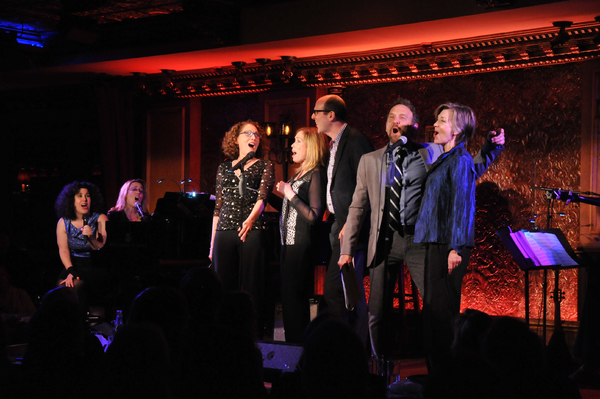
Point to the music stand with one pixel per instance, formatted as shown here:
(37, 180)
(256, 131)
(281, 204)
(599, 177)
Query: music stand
(526, 262)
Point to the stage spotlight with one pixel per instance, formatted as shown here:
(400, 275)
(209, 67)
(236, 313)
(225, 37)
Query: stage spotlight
(563, 36)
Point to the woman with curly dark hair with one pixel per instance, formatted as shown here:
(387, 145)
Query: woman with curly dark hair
(80, 230)
(244, 182)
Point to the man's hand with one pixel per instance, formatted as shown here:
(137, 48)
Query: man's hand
(341, 235)
(344, 259)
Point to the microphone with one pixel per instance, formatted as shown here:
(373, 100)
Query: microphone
(401, 141)
(85, 223)
(139, 209)
(243, 161)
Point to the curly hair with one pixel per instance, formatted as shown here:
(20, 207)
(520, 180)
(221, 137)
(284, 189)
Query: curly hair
(122, 200)
(65, 203)
(230, 145)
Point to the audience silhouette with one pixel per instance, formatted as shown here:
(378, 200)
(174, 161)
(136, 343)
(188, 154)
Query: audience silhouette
(199, 342)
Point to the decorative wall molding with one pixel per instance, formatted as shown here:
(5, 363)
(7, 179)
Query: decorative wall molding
(514, 50)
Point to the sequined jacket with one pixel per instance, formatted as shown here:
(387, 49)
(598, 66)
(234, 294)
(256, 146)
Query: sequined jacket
(260, 179)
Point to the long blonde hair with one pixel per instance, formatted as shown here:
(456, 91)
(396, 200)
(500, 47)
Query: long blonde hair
(317, 148)
(122, 200)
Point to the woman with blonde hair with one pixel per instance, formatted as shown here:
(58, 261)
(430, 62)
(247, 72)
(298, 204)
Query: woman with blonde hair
(301, 211)
(132, 204)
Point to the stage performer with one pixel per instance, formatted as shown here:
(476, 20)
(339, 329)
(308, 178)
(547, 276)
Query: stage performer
(371, 200)
(132, 204)
(446, 224)
(243, 185)
(347, 145)
(80, 230)
(302, 210)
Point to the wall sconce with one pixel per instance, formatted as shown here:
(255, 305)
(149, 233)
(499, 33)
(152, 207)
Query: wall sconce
(23, 178)
(563, 36)
(270, 129)
(279, 148)
(286, 128)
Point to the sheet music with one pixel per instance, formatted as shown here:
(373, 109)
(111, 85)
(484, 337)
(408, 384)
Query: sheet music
(544, 249)
(521, 241)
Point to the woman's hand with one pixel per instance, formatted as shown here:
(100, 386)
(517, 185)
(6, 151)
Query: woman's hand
(87, 231)
(69, 281)
(497, 137)
(285, 189)
(454, 260)
(245, 229)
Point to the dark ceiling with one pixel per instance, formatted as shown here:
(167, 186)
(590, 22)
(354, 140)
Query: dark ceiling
(215, 47)
(71, 27)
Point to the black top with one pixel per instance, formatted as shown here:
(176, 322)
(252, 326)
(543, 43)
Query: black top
(260, 179)
(120, 216)
(306, 208)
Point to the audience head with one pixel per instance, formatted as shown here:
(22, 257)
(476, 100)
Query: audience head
(230, 144)
(202, 291)
(333, 362)
(464, 375)
(512, 346)
(165, 308)
(137, 363)
(470, 329)
(237, 313)
(65, 203)
(132, 191)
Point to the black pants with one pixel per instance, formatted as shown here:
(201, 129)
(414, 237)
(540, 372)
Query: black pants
(297, 275)
(93, 287)
(381, 300)
(241, 265)
(442, 300)
(334, 292)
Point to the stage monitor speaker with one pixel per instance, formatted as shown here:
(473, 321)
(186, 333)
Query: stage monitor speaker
(280, 356)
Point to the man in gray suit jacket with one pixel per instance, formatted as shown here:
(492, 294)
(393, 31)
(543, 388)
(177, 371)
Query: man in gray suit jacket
(370, 196)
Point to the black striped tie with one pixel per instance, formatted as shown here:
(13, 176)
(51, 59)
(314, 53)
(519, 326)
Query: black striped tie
(395, 195)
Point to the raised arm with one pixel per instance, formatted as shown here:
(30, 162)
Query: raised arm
(492, 147)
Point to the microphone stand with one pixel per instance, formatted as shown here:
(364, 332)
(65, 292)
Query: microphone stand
(383, 358)
(242, 192)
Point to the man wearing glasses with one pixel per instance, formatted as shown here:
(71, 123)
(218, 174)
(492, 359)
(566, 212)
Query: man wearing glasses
(346, 148)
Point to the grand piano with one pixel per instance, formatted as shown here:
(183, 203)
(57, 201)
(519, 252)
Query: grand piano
(176, 238)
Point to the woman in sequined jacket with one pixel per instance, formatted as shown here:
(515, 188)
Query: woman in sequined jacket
(302, 210)
(243, 185)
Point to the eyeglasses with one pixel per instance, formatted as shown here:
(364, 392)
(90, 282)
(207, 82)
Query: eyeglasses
(139, 190)
(250, 134)
(316, 111)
